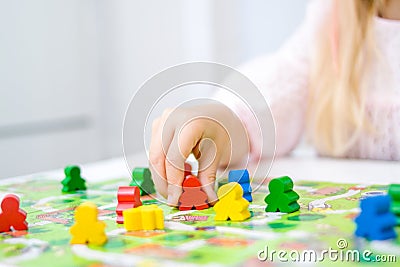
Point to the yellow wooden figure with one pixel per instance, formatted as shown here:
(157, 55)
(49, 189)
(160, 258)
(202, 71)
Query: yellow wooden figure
(87, 228)
(231, 204)
(147, 217)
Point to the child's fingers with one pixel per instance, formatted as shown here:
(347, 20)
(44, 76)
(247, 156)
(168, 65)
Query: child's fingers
(161, 137)
(181, 146)
(208, 165)
(174, 164)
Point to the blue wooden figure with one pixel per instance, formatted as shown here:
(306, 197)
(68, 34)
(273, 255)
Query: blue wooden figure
(375, 221)
(242, 177)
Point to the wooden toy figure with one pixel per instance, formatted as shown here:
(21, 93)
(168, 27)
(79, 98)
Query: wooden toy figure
(376, 222)
(394, 193)
(188, 170)
(242, 177)
(73, 180)
(141, 177)
(128, 197)
(192, 197)
(281, 198)
(87, 228)
(11, 216)
(148, 217)
(231, 204)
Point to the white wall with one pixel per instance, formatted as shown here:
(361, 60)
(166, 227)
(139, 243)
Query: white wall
(137, 39)
(68, 68)
(225, 31)
(48, 85)
(245, 29)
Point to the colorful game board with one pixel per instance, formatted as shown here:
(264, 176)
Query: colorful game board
(191, 238)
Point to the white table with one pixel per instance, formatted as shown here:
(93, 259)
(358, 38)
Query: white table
(338, 170)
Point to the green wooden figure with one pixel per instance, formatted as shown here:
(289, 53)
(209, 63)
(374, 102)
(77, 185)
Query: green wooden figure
(281, 198)
(73, 180)
(141, 177)
(394, 193)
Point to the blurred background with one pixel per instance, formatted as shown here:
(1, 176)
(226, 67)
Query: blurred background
(68, 68)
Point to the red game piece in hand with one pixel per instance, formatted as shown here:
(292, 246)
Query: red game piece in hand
(192, 196)
(128, 197)
(188, 170)
(12, 216)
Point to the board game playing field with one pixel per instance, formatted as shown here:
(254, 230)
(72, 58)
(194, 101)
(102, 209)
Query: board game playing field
(191, 238)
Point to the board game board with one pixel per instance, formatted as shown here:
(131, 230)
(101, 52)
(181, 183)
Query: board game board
(190, 238)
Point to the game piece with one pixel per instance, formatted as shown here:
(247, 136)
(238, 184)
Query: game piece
(376, 222)
(281, 196)
(242, 177)
(231, 204)
(141, 177)
(11, 216)
(73, 180)
(128, 197)
(148, 217)
(394, 193)
(87, 228)
(192, 197)
(188, 170)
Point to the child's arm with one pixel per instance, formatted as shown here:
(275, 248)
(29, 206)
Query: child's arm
(211, 132)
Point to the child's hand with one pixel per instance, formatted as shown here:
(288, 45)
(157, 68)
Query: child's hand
(209, 132)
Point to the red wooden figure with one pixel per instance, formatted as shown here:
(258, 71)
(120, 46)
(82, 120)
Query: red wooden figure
(192, 196)
(188, 170)
(11, 216)
(128, 197)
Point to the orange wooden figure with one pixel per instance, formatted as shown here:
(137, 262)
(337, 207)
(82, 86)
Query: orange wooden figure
(193, 197)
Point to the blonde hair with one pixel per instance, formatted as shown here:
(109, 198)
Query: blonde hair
(344, 46)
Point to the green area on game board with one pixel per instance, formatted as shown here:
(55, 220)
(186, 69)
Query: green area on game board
(326, 215)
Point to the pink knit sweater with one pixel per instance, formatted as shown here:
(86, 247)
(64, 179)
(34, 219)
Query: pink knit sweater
(283, 80)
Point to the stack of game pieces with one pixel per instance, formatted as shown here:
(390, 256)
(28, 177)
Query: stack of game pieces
(128, 197)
